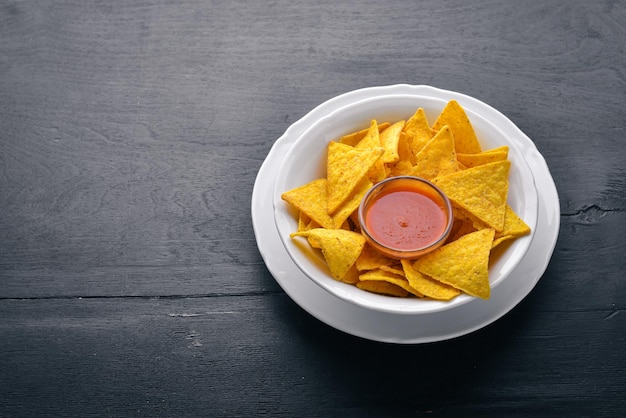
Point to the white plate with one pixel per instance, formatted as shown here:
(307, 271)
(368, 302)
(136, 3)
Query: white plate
(304, 162)
(388, 327)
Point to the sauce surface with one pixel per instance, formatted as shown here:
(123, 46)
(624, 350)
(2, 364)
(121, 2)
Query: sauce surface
(405, 219)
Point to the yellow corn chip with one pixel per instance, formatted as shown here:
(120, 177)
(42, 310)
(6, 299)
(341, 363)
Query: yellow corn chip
(463, 264)
(418, 132)
(401, 168)
(305, 222)
(437, 157)
(464, 227)
(354, 221)
(503, 148)
(473, 160)
(426, 286)
(404, 149)
(370, 259)
(371, 138)
(349, 206)
(340, 248)
(385, 276)
(513, 224)
(352, 276)
(377, 173)
(481, 190)
(345, 225)
(354, 138)
(311, 199)
(345, 168)
(372, 141)
(500, 240)
(382, 288)
(455, 117)
(394, 269)
(404, 164)
(389, 139)
(514, 227)
(468, 218)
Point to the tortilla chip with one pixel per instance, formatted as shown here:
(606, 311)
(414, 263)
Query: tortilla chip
(481, 190)
(345, 225)
(345, 168)
(353, 219)
(354, 138)
(382, 288)
(388, 277)
(372, 141)
(500, 240)
(305, 223)
(370, 259)
(311, 199)
(352, 276)
(418, 132)
(437, 157)
(463, 264)
(426, 286)
(486, 157)
(348, 207)
(340, 248)
(469, 219)
(513, 224)
(389, 139)
(514, 227)
(401, 168)
(464, 227)
(503, 148)
(394, 269)
(455, 117)
(404, 149)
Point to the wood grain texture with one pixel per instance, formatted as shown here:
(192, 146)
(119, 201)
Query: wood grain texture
(89, 355)
(131, 134)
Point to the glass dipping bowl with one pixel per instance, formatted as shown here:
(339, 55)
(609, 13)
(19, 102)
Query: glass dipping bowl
(405, 217)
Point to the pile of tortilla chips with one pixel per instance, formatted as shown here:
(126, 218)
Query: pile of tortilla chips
(446, 153)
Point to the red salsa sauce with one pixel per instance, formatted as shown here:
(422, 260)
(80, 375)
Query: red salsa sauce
(406, 218)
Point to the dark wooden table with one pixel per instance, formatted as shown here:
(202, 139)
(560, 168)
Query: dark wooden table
(131, 134)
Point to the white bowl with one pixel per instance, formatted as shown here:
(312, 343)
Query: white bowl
(306, 161)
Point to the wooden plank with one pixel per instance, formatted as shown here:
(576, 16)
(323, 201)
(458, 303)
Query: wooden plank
(265, 356)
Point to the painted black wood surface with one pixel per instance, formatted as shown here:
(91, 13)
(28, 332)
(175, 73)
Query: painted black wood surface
(131, 134)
